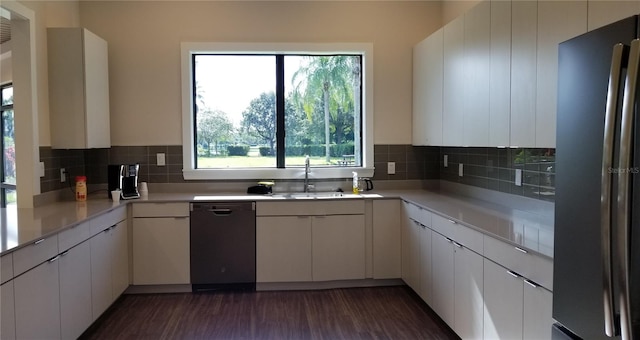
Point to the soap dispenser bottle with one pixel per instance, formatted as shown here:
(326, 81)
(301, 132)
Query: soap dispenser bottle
(355, 182)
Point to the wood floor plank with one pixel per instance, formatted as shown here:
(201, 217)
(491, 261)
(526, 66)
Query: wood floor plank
(353, 313)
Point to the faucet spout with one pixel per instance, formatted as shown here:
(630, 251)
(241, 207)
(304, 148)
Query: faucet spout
(307, 170)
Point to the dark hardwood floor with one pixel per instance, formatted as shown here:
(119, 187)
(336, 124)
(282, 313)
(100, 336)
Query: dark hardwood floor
(353, 313)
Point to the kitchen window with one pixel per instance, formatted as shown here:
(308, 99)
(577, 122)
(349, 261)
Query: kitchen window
(257, 110)
(8, 169)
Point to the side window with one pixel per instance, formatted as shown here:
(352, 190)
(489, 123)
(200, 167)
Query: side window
(8, 184)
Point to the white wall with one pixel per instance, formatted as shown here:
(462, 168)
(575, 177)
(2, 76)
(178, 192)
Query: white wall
(144, 52)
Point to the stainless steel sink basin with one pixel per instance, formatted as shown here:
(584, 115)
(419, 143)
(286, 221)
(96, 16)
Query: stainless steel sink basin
(315, 195)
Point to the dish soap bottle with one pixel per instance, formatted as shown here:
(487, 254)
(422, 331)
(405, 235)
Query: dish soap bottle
(355, 182)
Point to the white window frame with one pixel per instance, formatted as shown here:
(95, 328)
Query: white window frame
(188, 49)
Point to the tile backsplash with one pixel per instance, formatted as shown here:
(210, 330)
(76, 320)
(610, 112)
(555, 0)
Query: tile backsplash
(489, 168)
(495, 169)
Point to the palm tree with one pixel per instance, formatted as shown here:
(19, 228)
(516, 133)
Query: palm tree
(321, 76)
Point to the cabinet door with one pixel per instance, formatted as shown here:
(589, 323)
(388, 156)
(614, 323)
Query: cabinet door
(503, 303)
(425, 265)
(420, 93)
(523, 73)
(75, 290)
(338, 250)
(410, 252)
(37, 302)
(120, 259)
(468, 291)
(7, 311)
(477, 66)
(101, 289)
(283, 249)
(387, 262)
(538, 305)
(453, 83)
(96, 79)
(604, 12)
(557, 22)
(442, 266)
(161, 251)
(500, 73)
(427, 90)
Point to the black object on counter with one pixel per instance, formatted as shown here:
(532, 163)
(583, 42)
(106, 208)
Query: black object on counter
(260, 189)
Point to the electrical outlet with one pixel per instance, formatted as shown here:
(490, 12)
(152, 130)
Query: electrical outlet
(41, 169)
(391, 168)
(63, 175)
(460, 170)
(518, 177)
(446, 161)
(160, 159)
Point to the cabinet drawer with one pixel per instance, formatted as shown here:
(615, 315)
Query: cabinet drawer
(417, 213)
(341, 207)
(160, 209)
(534, 267)
(443, 226)
(34, 254)
(469, 238)
(107, 220)
(6, 268)
(74, 235)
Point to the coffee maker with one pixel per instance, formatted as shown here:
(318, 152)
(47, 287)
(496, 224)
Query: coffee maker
(125, 178)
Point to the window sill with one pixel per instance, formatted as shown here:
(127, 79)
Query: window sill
(269, 173)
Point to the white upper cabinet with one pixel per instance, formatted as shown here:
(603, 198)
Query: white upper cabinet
(427, 90)
(500, 74)
(476, 69)
(78, 89)
(524, 15)
(453, 83)
(602, 13)
(557, 21)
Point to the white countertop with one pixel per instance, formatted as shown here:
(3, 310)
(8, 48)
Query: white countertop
(531, 230)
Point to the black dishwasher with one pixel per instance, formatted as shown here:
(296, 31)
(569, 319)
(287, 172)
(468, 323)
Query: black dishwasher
(223, 246)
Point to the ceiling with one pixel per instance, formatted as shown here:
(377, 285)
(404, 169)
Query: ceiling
(5, 30)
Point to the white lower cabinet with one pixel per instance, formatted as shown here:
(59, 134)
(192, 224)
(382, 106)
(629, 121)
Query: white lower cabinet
(283, 252)
(468, 293)
(515, 308)
(503, 303)
(538, 305)
(101, 290)
(411, 253)
(161, 251)
(338, 247)
(442, 273)
(7, 312)
(37, 302)
(387, 262)
(426, 276)
(120, 259)
(75, 290)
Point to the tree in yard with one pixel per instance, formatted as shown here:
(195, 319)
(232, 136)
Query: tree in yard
(259, 119)
(213, 127)
(326, 81)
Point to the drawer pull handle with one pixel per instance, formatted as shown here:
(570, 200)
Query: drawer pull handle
(531, 283)
(452, 221)
(64, 253)
(449, 240)
(38, 241)
(514, 274)
(457, 244)
(54, 259)
(521, 250)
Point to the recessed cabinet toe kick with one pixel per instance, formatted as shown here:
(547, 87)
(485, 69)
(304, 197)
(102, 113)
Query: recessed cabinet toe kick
(223, 246)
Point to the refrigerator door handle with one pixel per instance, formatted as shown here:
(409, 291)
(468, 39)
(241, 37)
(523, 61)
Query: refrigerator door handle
(623, 220)
(605, 190)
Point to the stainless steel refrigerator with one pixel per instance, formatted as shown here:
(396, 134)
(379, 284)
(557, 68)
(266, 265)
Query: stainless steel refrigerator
(596, 290)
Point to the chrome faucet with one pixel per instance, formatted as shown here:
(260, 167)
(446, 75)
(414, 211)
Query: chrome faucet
(307, 170)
